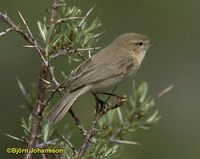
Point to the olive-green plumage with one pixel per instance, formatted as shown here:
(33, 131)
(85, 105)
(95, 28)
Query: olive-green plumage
(110, 66)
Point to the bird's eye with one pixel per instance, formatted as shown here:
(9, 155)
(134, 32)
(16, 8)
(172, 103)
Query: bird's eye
(140, 43)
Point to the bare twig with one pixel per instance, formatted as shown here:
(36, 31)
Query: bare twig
(58, 89)
(45, 70)
(72, 113)
(78, 122)
(4, 17)
(25, 23)
(69, 144)
(67, 51)
(38, 109)
(43, 76)
(53, 77)
(37, 112)
(89, 135)
(6, 31)
(100, 111)
(53, 11)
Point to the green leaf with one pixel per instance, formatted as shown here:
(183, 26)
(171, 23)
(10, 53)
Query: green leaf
(43, 30)
(142, 91)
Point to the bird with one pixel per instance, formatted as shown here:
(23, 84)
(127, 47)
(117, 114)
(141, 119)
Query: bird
(108, 67)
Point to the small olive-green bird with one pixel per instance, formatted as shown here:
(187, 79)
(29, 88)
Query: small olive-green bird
(110, 66)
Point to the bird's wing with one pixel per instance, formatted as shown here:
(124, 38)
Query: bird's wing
(91, 72)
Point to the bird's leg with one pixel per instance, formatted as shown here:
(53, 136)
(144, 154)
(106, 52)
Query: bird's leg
(100, 105)
(118, 97)
(111, 94)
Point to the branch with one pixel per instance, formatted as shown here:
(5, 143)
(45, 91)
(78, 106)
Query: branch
(90, 133)
(72, 113)
(37, 112)
(27, 36)
(69, 144)
(46, 72)
(58, 88)
(67, 51)
(27, 27)
(6, 31)
(101, 110)
(78, 122)
(46, 67)
(53, 11)
(38, 109)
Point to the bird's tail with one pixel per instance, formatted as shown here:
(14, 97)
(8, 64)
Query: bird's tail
(64, 104)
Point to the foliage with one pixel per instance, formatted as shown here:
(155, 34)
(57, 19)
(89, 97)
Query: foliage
(71, 34)
(139, 112)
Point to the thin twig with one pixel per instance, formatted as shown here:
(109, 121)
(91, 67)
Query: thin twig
(100, 111)
(6, 31)
(37, 112)
(38, 109)
(89, 135)
(53, 77)
(53, 11)
(78, 122)
(58, 87)
(67, 51)
(4, 17)
(25, 23)
(69, 144)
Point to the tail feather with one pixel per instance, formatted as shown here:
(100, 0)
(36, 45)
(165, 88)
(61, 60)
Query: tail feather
(64, 104)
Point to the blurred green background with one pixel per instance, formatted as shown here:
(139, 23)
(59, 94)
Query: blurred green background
(174, 27)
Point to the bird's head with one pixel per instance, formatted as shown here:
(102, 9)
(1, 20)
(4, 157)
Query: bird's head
(137, 44)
